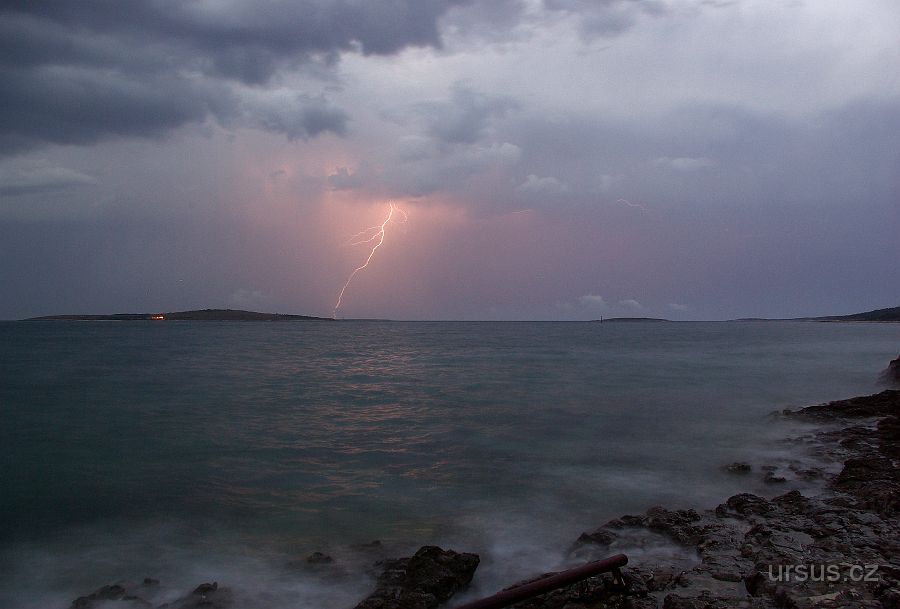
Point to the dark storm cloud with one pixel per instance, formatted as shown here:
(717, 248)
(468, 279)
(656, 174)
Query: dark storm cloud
(295, 115)
(71, 105)
(266, 32)
(78, 72)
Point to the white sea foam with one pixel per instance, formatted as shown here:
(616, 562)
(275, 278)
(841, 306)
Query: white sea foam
(197, 453)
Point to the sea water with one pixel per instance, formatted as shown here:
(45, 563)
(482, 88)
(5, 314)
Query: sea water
(200, 451)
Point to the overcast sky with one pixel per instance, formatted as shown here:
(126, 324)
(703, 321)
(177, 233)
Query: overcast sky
(556, 159)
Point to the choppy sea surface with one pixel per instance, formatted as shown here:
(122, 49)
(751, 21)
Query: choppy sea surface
(200, 451)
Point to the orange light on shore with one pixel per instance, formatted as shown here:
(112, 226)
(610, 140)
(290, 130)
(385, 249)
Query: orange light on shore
(157, 317)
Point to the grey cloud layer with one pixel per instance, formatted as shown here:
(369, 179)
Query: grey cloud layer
(40, 178)
(669, 153)
(607, 18)
(704, 155)
(465, 116)
(244, 40)
(78, 72)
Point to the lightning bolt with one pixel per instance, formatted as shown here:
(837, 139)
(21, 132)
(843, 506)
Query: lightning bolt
(368, 235)
(634, 205)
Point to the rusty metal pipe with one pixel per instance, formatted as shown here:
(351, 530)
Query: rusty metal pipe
(505, 598)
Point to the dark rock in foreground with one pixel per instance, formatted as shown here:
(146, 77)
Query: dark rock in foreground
(739, 467)
(318, 558)
(125, 596)
(891, 374)
(113, 592)
(840, 549)
(208, 596)
(882, 404)
(423, 581)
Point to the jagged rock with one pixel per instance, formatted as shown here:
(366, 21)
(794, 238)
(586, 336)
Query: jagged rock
(739, 467)
(890, 598)
(744, 505)
(809, 473)
(624, 522)
(599, 537)
(423, 581)
(704, 600)
(683, 526)
(204, 589)
(642, 581)
(639, 603)
(771, 478)
(709, 600)
(318, 558)
(207, 596)
(106, 594)
(874, 480)
(877, 405)
(793, 502)
(891, 374)
(742, 544)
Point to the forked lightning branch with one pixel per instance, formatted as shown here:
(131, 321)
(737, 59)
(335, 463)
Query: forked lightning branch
(372, 235)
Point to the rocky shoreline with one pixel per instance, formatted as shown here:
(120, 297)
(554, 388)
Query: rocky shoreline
(838, 548)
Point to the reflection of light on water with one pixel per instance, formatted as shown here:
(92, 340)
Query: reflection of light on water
(506, 438)
(364, 434)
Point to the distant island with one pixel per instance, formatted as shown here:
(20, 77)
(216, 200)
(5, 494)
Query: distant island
(620, 319)
(200, 315)
(878, 315)
(883, 315)
(890, 314)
